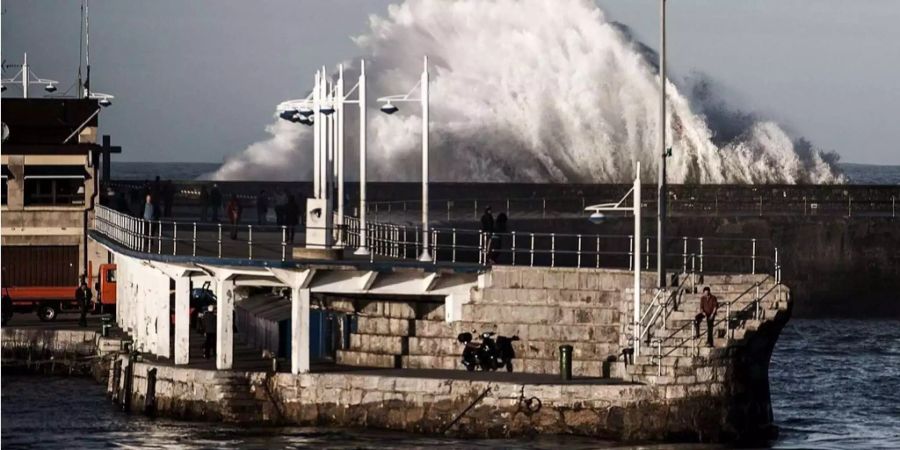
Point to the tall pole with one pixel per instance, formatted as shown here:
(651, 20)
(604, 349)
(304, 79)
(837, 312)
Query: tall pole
(426, 256)
(25, 76)
(340, 152)
(661, 202)
(636, 196)
(323, 137)
(317, 141)
(363, 245)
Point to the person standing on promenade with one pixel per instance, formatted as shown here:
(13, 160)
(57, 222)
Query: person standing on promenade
(215, 201)
(204, 203)
(83, 297)
(149, 215)
(281, 201)
(262, 207)
(487, 232)
(168, 193)
(234, 215)
(291, 217)
(709, 305)
(209, 328)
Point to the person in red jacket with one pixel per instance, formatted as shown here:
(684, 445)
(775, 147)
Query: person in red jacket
(234, 214)
(709, 305)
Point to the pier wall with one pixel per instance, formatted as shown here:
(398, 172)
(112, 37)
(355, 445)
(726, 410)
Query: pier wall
(628, 412)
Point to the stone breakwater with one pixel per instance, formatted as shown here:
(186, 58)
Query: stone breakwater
(467, 408)
(57, 352)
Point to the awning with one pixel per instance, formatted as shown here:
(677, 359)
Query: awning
(6, 173)
(56, 172)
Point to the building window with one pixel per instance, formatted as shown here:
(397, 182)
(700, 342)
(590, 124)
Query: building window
(54, 185)
(54, 191)
(3, 200)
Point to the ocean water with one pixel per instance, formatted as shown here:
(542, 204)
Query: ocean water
(857, 173)
(835, 385)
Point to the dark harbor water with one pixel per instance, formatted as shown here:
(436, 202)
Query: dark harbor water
(835, 385)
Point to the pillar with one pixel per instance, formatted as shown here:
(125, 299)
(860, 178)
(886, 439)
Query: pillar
(182, 319)
(161, 309)
(299, 330)
(225, 323)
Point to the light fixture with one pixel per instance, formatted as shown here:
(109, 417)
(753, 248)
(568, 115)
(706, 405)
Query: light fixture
(287, 115)
(304, 111)
(3, 88)
(50, 87)
(104, 102)
(389, 108)
(327, 109)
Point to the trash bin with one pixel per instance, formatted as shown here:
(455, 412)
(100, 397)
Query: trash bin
(565, 362)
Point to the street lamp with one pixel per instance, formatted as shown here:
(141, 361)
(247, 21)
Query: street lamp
(390, 108)
(25, 77)
(662, 197)
(635, 208)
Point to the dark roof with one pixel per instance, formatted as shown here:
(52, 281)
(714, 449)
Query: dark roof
(47, 121)
(56, 171)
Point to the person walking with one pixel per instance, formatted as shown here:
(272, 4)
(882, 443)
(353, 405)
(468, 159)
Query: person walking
(209, 327)
(83, 298)
(281, 201)
(215, 201)
(709, 305)
(234, 215)
(149, 216)
(487, 232)
(291, 217)
(262, 207)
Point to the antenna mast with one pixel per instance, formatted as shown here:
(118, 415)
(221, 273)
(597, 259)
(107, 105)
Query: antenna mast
(87, 43)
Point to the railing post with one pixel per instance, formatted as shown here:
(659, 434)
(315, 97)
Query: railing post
(701, 255)
(531, 251)
(893, 206)
(578, 264)
(684, 241)
(630, 252)
(475, 210)
(219, 239)
(159, 238)
(760, 206)
(283, 243)
(544, 207)
(448, 210)
(434, 244)
(194, 240)
(849, 205)
(647, 255)
(756, 312)
(777, 267)
(453, 247)
(597, 253)
(753, 258)
(552, 249)
(250, 241)
(174, 238)
(513, 248)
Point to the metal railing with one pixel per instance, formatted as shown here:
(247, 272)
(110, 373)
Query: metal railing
(698, 255)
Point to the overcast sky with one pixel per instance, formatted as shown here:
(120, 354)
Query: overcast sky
(198, 80)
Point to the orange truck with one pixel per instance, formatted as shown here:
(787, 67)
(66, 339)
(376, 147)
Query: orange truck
(49, 301)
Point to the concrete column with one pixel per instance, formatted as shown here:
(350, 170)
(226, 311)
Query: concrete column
(299, 330)
(161, 309)
(182, 319)
(224, 324)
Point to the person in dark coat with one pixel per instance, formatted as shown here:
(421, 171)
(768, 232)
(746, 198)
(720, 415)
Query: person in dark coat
(7, 307)
(204, 204)
(709, 305)
(209, 325)
(215, 201)
(168, 194)
(262, 207)
(234, 214)
(83, 297)
(487, 232)
(291, 217)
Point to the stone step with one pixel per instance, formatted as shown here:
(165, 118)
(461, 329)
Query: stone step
(559, 333)
(550, 297)
(524, 349)
(561, 278)
(530, 314)
(580, 368)
(377, 343)
(384, 326)
(363, 359)
(387, 308)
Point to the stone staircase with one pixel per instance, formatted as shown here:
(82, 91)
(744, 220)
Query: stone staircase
(673, 354)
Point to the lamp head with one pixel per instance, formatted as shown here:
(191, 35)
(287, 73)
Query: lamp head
(50, 87)
(597, 217)
(389, 108)
(327, 109)
(304, 111)
(2, 88)
(104, 102)
(287, 114)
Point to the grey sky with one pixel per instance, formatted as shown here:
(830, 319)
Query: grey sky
(198, 80)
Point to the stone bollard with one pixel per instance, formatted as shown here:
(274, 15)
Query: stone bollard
(565, 362)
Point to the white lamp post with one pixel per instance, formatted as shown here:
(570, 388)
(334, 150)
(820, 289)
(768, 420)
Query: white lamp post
(390, 108)
(598, 216)
(25, 77)
(662, 198)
